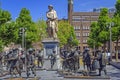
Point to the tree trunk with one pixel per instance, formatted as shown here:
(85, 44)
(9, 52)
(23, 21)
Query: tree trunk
(104, 47)
(116, 50)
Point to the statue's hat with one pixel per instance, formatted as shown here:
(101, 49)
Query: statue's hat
(50, 6)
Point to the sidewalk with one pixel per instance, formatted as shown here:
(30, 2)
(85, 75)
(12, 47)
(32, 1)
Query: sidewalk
(115, 64)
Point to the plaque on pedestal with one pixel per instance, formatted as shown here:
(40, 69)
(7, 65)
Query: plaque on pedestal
(49, 45)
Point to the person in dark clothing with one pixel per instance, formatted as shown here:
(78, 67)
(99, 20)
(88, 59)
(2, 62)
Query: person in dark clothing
(102, 62)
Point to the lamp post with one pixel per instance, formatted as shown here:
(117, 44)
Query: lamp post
(22, 33)
(110, 25)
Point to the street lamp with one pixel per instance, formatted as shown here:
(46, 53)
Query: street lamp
(22, 33)
(110, 25)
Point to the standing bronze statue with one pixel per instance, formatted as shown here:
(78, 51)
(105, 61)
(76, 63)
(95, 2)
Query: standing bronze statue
(52, 22)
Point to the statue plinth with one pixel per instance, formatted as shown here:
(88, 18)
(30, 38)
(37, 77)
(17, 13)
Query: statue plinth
(49, 45)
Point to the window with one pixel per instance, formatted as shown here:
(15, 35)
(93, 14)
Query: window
(94, 16)
(85, 21)
(86, 27)
(77, 34)
(76, 18)
(86, 34)
(84, 40)
(76, 27)
(83, 34)
(85, 16)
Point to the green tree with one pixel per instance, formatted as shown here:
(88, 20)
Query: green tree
(117, 6)
(66, 34)
(5, 16)
(116, 20)
(6, 29)
(116, 28)
(25, 21)
(93, 41)
(7, 33)
(1, 45)
(41, 24)
(103, 21)
(99, 33)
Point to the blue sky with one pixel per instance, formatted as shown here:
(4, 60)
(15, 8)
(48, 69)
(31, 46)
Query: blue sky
(38, 8)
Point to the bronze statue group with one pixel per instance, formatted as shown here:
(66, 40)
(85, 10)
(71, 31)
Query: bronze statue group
(16, 61)
(97, 62)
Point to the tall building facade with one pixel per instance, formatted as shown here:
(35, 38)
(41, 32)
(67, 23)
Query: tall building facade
(81, 22)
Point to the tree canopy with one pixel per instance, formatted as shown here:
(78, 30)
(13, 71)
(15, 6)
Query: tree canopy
(99, 33)
(66, 34)
(25, 21)
(6, 28)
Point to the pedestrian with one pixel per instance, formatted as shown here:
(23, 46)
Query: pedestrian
(108, 57)
(102, 62)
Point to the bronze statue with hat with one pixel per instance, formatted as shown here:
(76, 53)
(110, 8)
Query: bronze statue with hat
(52, 25)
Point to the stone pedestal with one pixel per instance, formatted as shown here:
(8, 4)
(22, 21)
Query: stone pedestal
(49, 45)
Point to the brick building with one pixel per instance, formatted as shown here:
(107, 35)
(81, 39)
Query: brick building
(82, 21)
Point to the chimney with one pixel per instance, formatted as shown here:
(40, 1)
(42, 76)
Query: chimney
(70, 10)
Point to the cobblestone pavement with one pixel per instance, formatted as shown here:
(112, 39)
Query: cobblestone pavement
(113, 72)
